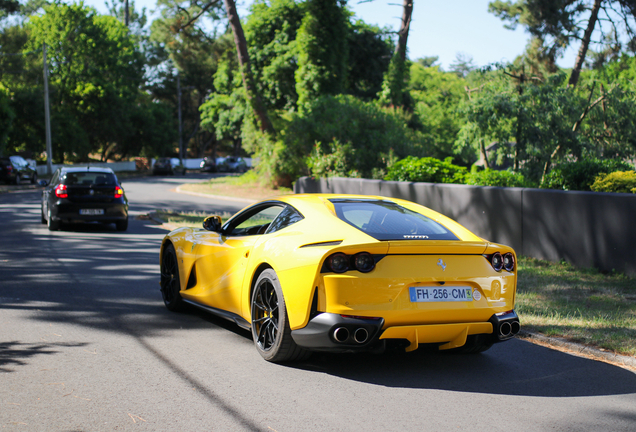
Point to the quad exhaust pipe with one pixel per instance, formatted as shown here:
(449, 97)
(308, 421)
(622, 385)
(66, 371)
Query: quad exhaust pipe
(342, 334)
(506, 325)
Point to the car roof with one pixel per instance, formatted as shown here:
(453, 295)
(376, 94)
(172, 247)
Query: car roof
(319, 207)
(103, 170)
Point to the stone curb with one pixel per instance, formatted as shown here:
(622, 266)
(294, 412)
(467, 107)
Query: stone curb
(579, 349)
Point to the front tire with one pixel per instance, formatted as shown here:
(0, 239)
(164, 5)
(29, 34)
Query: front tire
(170, 282)
(270, 325)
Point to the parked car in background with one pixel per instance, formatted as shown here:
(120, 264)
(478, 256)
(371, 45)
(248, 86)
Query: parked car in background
(84, 194)
(208, 164)
(15, 169)
(167, 166)
(232, 164)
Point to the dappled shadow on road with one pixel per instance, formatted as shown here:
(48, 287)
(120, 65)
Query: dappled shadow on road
(516, 368)
(15, 353)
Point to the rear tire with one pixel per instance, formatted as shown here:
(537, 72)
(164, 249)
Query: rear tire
(270, 325)
(53, 225)
(170, 282)
(122, 225)
(18, 178)
(34, 178)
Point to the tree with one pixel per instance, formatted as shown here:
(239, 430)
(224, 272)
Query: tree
(393, 87)
(322, 50)
(95, 73)
(251, 90)
(560, 22)
(436, 97)
(189, 52)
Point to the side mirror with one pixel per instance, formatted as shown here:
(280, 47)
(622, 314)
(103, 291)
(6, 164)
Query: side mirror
(213, 223)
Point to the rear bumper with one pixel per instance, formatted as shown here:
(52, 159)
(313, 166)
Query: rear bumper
(70, 212)
(333, 332)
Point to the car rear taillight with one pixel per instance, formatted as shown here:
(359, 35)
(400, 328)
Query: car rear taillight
(118, 192)
(338, 263)
(509, 261)
(364, 262)
(497, 261)
(60, 191)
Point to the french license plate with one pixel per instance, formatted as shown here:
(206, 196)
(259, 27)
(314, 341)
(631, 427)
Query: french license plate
(441, 294)
(91, 212)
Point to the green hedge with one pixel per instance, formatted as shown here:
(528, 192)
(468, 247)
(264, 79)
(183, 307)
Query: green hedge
(619, 181)
(491, 177)
(581, 175)
(427, 169)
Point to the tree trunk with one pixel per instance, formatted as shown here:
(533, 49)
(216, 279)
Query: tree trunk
(585, 44)
(253, 97)
(403, 34)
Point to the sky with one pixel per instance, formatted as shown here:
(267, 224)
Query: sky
(439, 28)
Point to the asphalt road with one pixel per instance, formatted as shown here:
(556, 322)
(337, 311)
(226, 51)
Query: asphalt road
(87, 345)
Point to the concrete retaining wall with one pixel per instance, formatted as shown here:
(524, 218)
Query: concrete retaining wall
(587, 229)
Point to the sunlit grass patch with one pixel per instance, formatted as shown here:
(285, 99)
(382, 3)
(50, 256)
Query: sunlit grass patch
(582, 305)
(247, 185)
(186, 219)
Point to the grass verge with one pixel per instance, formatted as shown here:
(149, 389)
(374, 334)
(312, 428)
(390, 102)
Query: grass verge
(581, 305)
(185, 219)
(247, 185)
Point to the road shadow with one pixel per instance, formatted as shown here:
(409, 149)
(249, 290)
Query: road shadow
(515, 368)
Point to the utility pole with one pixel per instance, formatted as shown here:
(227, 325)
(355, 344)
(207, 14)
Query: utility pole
(47, 116)
(180, 127)
(127, 16)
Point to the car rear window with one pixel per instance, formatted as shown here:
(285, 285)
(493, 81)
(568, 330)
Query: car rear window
(386, 220)
(89, 179)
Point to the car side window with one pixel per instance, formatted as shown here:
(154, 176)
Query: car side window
(287, 217)
(254, 222)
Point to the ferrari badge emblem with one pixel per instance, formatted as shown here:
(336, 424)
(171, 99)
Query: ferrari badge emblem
(442, 264)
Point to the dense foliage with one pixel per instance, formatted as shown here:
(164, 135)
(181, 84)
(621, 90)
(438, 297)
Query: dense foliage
(619, 181)
(310, 90)
(426, 169)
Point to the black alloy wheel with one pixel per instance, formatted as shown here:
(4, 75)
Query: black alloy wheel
(170, 284)
(270, 326)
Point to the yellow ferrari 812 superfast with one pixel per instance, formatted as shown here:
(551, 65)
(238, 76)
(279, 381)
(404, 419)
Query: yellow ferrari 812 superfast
(344, 273)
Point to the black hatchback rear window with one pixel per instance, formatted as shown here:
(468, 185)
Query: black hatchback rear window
(386, 220)
(89, 179)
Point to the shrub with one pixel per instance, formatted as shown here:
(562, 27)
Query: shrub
(362, 135)
(491, 177)
(426, 169)
(619, 181)
(581, 174)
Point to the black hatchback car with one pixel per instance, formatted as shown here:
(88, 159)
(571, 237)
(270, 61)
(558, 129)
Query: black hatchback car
(15, 169)
(84, 194)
